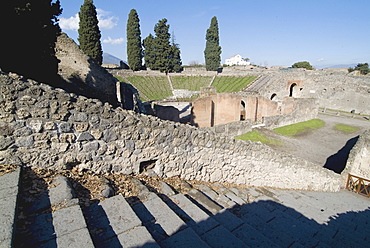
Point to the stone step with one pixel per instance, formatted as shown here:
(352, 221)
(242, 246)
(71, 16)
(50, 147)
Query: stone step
(244, 232)
(239, 228)
(113, 222)
(70, 228)
(322, 210)
(203, 217)
(203, 224)
(207, 228)
(8, 204)
(285, 202)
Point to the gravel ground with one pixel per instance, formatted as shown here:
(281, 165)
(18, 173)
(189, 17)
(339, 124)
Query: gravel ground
(324, 146)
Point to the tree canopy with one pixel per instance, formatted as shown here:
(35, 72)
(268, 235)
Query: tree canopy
(159, 53)
(149, 51)
(363, 68)
(88, 31)
(30, 29)
(134, 48)
(212, 52)
(303, 64)
(176, 64)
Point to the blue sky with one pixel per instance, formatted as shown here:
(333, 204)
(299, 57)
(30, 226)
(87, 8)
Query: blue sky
(268, 32)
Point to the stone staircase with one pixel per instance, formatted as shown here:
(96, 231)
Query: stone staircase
(203, 215)
(259, 83)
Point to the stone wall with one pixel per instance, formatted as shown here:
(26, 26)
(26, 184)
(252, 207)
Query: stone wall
(82, 75)
(358, 163)
(303, 109)
(50, 128)
(79, 70)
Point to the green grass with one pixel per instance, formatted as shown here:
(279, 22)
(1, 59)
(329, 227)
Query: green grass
(158, 88)
(257, 136)
(190, 83)
(299, 128)
(231, 84)
(153, 87)
(345, 128)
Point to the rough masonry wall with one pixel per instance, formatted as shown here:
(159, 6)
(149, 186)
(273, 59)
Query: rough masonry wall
(296, 110)
(49, 128)
(334, 90)
(358, 162)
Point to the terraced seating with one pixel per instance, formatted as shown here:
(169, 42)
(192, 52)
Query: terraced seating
(202, 215)
(260, 83)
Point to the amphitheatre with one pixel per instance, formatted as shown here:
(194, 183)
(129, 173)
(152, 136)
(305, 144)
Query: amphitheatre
(86, 163)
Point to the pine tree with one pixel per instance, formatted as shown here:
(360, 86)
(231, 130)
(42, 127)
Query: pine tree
(31, 30)
(212, 52)
(149, 51)
(134, 49)
(88, 32)
(162, 46)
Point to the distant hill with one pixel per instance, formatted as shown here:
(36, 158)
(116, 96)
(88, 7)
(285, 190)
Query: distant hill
(110, 59)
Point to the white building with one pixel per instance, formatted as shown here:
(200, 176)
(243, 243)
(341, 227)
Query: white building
(236, 60)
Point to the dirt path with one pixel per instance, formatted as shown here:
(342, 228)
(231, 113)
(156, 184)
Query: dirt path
(324, 146)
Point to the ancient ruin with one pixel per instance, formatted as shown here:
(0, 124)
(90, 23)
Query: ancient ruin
(102, 172)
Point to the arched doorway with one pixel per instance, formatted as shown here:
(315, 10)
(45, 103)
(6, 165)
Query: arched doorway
(292, 90)
(242, 111)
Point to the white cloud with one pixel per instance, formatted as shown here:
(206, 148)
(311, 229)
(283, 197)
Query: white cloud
(321, 59)
(69, 23)
(114, 41)
(106, 21)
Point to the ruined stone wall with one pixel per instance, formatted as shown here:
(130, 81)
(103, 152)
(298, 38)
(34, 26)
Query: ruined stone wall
(334, 90)
(299, 109)
(358, 163)
(50, 128)
(219, 109)
(82, 75)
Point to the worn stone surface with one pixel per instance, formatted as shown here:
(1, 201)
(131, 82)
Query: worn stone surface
(8, 203)
(61, 192)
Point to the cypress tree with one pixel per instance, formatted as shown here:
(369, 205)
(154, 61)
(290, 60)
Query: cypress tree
(134, 49)
(149, 51)
(212, 52)
(176, 64)
(31, 30)
(162, 46)
(88, 31)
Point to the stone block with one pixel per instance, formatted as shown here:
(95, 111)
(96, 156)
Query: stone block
(91, 146)
(65, 127)
(24, 141)
(85, 136)
(81, 127)
(78, 238)
(109, 135)
(184, 239)
(49, 125)
(68, 220)
(194, 217)
(62, 191)
(23, 113)
(5, 142)
(36, 125)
